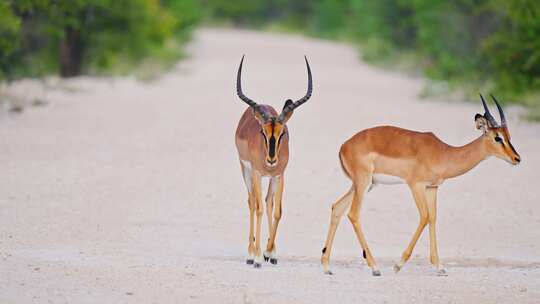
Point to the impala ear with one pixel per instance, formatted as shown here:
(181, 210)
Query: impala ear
(259, 116)
(481, 123)
(286, 115)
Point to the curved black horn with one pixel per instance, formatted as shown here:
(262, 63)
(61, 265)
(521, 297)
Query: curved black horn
(309, 87)
(250, 102)
(487, 114)
(299, 102)
(501, 113)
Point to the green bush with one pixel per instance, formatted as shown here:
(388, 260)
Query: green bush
(513, 52)
(71, 37)
(256, 13)
(239, 12)
(10, 26)
(472, 42)
(186, 13)
(387, 20)
(330, 17)
(475, 44)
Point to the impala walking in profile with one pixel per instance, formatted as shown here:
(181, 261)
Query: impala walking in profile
(262, 140)
(390, 155)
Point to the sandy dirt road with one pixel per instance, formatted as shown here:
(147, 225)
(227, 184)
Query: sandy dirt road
(124, 192)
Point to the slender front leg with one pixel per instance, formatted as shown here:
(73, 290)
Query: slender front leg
(256, 182)
(338, 208)
(251, 242)
(277, 183)
(419, 199)
(360, 185)
(269, 209)
(431, 197)
(246, 174)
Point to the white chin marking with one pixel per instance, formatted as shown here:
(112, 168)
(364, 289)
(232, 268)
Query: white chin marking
(387, 179)
(511, 162)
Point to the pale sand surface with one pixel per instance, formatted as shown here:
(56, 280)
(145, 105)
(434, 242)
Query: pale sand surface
(123, 191)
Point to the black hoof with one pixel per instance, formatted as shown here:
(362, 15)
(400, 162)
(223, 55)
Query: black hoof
(266, 258)
(442, 272)
(257, 265)
(273, 261)
(376, 273)
(249, 261)
(328, 272)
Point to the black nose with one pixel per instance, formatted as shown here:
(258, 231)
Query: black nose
(272, 161)
(517, 159)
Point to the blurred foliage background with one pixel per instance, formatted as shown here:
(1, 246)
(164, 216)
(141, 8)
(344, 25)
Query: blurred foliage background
(72, 37)
(489, 45)
(493, 45)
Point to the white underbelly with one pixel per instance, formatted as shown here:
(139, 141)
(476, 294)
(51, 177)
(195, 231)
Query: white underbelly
(385, 179)
(248, 169)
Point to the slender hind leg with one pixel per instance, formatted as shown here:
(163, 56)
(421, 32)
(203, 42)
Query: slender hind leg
(360, 184)
(419, 199)
(431, 197)
(277, 185)
(246, 174)
(338, 208)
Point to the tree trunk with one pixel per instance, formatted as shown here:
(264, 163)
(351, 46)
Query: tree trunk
(71, 52)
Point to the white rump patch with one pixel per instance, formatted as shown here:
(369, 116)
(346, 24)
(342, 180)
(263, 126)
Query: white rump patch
(385, 179)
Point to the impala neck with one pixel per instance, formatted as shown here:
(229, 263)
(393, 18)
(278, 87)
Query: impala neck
(459, 160)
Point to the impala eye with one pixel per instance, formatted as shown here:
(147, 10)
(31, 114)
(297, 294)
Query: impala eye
(498, 139)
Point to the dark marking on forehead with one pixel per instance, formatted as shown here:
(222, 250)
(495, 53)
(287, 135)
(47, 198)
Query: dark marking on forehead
(274, 131)
(272, 147)
(270, 140)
